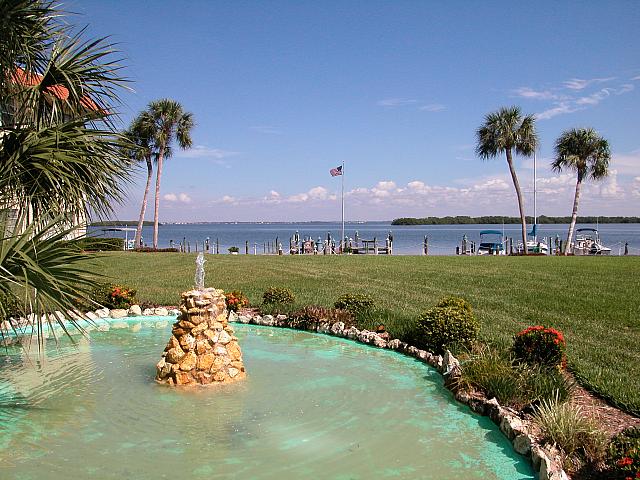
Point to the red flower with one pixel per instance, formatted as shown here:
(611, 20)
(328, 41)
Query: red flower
(623, 462)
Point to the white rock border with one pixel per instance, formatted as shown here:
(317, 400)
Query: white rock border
(544, 461)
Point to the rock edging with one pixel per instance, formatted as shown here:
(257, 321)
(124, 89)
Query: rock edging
(545, 462)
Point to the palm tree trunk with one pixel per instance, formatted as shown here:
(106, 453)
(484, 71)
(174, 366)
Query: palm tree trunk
(138, 239)
(574, 214)
(157, 206)
(516, 184)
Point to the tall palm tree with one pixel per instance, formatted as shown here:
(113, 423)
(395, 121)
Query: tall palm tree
(586, 153)
(60, 157)
(141, 135)
(170, 122)
(508, 131)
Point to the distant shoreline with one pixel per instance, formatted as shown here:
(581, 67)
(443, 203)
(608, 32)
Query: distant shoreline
(496, 220)
(457, 220)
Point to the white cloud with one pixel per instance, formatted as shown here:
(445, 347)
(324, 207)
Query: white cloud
(573, 95)
(395, 102)
(170, 197)
(559, 109)
(580, 83)
(228, 199)
(177, 198)
(626, 163)
(526, 92)
(433, 107)
(386, 185)
(317, 193)
(635, 187)
(266, 129)
(216, 155)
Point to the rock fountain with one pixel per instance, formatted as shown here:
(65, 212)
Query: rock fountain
(202, 349)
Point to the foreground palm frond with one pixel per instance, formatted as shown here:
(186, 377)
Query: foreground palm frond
(43, 272)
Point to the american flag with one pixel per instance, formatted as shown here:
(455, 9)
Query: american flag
(336, 171)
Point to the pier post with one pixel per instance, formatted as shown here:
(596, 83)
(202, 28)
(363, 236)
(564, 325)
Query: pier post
(217, 245)
(425, 246)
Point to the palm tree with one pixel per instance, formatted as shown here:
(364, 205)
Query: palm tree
(140, 135)
(170, 122)
(60, 157)
(508, 131)
(585, 152)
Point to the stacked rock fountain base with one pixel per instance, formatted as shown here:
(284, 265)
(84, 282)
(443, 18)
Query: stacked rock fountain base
(203, 349)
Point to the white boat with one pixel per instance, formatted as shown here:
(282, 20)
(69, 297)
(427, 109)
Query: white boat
(588, 243)
(491, 243)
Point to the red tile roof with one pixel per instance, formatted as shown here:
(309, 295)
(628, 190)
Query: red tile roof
(59, 91)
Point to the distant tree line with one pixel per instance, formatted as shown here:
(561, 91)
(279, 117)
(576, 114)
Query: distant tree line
(494, 219)
(120, 223)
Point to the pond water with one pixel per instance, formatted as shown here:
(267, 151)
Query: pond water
(312, 406)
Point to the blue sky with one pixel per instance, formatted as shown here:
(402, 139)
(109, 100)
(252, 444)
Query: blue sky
(284, 91)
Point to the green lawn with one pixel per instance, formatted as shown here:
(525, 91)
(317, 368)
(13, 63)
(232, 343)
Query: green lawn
(595, 301)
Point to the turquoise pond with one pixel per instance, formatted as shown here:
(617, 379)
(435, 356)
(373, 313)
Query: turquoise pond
(312, 406)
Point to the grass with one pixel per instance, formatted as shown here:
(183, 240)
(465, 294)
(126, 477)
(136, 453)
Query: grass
(594, 301)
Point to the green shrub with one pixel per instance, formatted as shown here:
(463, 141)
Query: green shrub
(564, 425)
(236, 300)
(513, 384)
(440, 328)
(540, 346)
(278, 295)
(310, 315)
(95, 244)
(233, 249)
(10, 307)
(455, 302)
(156, 250)
(355, 303)
(624, 454)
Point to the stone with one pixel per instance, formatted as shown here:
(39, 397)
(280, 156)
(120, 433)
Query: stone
(173, 343)
(220, 350)
(379, 342)
(174, 355)
(224, 338)
(174, 312)
(234, 351)
(135, 311)
(203, 378)
(233, 316)
(188, 362)
(147, 312)
(393, 344)
(187, 342)
(268, 320)
(450, 364)
(212, 335)
(186, 325)
(511, 426)
(102, 312)
(218, 363)
(205, 361)
(90, 315)
(183, 378)
(202, 347)
(217, 326)
(118, 313)
(219, 376)
(233, 372)
(522, 444)
(243, 319)
(161, 312)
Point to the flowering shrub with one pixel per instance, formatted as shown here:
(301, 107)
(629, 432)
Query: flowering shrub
(455, 302)
(120, 297)
(540, 346)
(309, 316)
(624, 454)
(236, 300)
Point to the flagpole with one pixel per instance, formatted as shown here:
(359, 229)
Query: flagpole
(342, 234)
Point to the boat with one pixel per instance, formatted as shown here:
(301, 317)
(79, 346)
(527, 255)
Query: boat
(588, 243)
(491, 243)
(534, 245)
